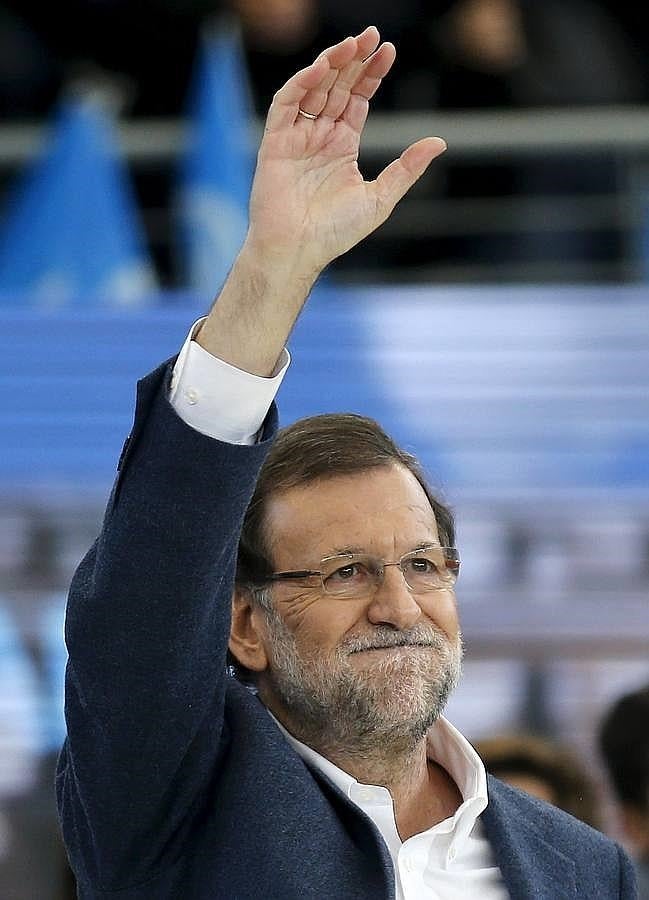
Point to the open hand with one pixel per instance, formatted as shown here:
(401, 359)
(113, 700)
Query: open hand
(309, 201)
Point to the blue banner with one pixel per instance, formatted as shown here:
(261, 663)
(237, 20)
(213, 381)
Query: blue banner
(71, 233)
(216, 172)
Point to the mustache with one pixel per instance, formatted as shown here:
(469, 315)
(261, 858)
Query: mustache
(384, 639)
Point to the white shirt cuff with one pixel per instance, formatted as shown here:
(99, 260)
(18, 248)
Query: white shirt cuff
(218, 399)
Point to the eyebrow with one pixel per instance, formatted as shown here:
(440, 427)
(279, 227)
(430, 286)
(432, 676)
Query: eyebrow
(344, 551)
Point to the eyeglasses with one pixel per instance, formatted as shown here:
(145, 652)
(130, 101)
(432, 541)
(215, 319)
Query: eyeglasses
(358, 574)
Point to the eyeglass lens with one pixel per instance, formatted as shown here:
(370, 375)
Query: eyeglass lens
(424, 570)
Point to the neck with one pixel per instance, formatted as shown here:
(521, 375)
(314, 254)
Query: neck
(401, 769)
(423, 793)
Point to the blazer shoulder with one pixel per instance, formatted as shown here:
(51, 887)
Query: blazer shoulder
(545, 838)
(554, 824)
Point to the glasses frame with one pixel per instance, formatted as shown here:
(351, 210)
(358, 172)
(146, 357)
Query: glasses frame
(451, 554)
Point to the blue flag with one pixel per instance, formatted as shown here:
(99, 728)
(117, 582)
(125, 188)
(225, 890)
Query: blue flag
(71, 233)
(54, 659)
(217, 169)
(19, 710)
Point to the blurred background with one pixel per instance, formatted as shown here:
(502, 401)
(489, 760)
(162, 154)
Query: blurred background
(497, 325)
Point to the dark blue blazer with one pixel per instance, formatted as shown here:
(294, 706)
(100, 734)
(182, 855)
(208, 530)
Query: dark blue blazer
(174, 783)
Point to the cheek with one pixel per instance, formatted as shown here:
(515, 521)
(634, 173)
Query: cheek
(320, 622)
(441, 608)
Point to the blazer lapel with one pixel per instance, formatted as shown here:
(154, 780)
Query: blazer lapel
(531, 867)
(362, 829)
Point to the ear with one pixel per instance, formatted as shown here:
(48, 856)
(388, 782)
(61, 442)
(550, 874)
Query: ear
(247, 632)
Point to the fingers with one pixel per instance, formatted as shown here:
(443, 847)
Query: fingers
(347, 76)
(398, 177)
(367, 84)
(374, 70)
(312, 82)
(341, 53)
(331, 102)
(353, 67)
(283, 109)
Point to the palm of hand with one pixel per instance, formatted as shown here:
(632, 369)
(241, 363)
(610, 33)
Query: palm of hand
(309, 196)
(311, 190)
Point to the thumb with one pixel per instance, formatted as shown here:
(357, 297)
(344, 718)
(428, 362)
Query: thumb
(399, 176)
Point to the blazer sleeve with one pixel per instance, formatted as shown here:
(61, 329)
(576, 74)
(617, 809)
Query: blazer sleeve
(628, 883)
(147, 627)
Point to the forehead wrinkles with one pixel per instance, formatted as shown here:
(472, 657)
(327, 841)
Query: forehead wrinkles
(348, 508)
(401, 527)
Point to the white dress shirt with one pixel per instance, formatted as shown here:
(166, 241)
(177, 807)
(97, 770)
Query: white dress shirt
(218, 399)
(453, 859)
(450, 861)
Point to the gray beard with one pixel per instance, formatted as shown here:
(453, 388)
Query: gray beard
(391, 703)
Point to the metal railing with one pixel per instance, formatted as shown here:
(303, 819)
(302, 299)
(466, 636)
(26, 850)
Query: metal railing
(618, 134)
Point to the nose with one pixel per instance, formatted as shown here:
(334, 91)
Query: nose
(393, 603)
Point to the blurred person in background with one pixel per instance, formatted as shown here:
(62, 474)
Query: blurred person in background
(624, 747)
(280, 35)
(522, 55)
(456, 54)
(28, 72)
(544, 769)
(146, 50)
(484, 55)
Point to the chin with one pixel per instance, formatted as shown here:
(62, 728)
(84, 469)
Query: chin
(405, 677)
(406, 686)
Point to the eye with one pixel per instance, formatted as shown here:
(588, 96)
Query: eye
(350, 572)
(421, 565)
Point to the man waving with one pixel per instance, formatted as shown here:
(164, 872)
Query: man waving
(318, 566)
